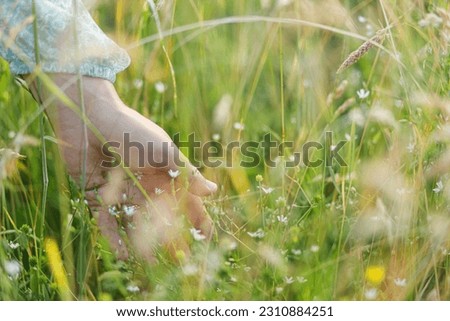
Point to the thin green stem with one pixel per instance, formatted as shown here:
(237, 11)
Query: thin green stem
(154, 10)
(44, 166)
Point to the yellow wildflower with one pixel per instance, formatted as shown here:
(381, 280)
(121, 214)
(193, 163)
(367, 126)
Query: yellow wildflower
(375, 274)
(57, 268)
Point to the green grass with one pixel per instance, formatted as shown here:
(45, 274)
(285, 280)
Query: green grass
(388, 207)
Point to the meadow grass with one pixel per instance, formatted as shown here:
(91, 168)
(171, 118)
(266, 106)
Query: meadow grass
(377, 228)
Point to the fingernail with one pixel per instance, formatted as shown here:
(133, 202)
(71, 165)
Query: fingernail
(211, 186)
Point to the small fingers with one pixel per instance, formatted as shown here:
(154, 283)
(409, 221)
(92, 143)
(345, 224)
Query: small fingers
(109, 229)
(192, 206)
(157, 224)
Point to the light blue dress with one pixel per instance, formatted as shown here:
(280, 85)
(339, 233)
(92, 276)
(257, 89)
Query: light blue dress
(69, 40)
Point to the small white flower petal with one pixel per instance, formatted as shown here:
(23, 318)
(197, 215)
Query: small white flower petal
(12, 268)
(238, 126)
(174, 173)
(371, 294)
(160, 87)
(267, 190)
(113, 210)
(439, 187)
(282, 219)
(13, 245)
(133, 288)
(196, 234)
(130, 210)
(400, 282)
(258, 234)
(158, 191)
(362, 93)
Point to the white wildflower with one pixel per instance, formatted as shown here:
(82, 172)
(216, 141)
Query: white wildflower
(129, 210)
(160, 87)
(289, 279)
(133, 288)
(238, 126)
(138, 175)
(279, 289)
(13, 245)
(400, 282)
(158, 191)
(371, 294)
(174, 173)
(138, 83)
(282, 219)
(362, 93)
(113, 210)
(216, 137)
(296, 251)
(348, 137)
(267, 190)
(369, 30)
(302, 279)
(196, 234)
(222, 112)
(315, 248)
(362, 19)
(439, 187)
(410, 148)
(12, 268)
(259, 234)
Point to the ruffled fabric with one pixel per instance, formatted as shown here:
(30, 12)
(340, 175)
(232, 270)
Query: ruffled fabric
(69, 41)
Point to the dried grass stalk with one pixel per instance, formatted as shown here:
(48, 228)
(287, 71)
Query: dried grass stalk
(362, 50)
